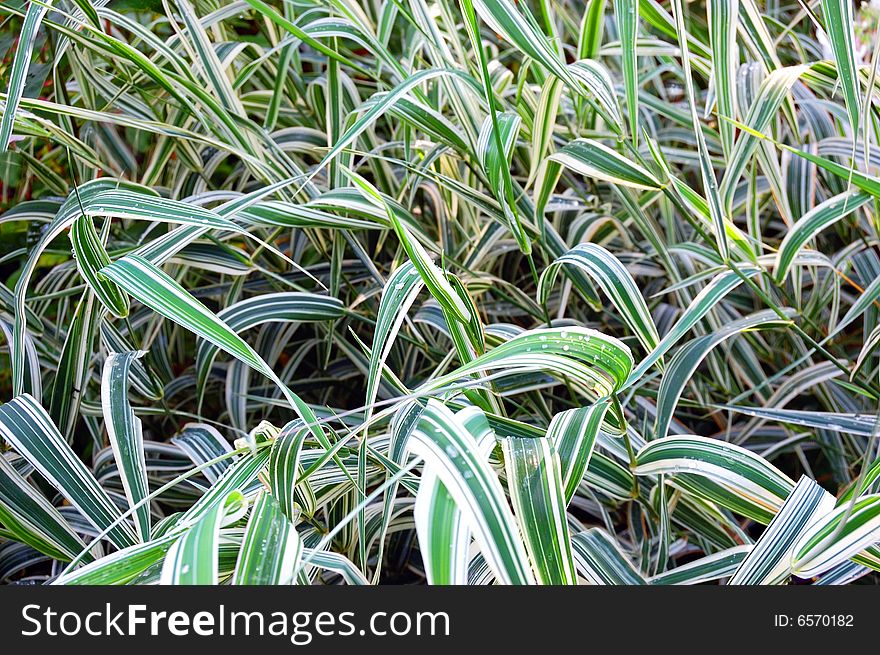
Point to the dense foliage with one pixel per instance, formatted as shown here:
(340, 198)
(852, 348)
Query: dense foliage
(445, 291)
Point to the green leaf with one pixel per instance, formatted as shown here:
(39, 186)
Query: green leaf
(32, 519)
(271, 547)
(126, 435)
(282, 307)
(20, 65)
(121, 567)
(627, 15)
(431, 274)
(444, 534)
(813, 222)
(449, 450)
(573, 433)
(839, 535)
(711, 567)
(702, 304)
(28, 428)
(600, 561)
(194, 558)
(737, 478)
(687, 358)
(723, 18)
(155, 289)
(595, 362)
(612, 277)
(535, 483)
(91, 257)
(594, 159)
(285, 472)
(769, 562)
(839, 26)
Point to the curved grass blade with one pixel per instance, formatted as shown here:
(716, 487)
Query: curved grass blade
(121, 567)
(573, 433)
(839, 535)
(155, 289)
(282, 307)
(738, 479)
(194, 558)
(33, 520)
(598, 363)
(271, 547)
(839, 26)
(20, 65)
(535, 484)
(451, 452)
(627, 15)
(703, 302)
(594, 159)
(600, 561)
(91, 257)
(813, 222)
(711, 567)
(770, 560)
(686, 360)
(125, 432)
(285, 471)
(28, 428)
(612, 277)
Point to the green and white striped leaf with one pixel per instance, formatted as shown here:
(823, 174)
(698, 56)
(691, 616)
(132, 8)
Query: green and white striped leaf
(398, 295)
(515, 22)
(121, 567)
(837, 536)
(710, 183)
(20, 64)
(431, 274)
(202, 443)
(723, 16)
(573, 433)
(285, 470)
(769, 562)
(452, 453)
(444, 536)
(838, 16)
(91, 257)
(240, 477)
(627, 14)
(126, 435)
(283, 307)
(720, 472)
(495, 146)
(702, 304)
(155, 289)
(27, 427)
(711, 567)
(534, 480)
(194, 558)
(33, 520)
(594, 361)
(600, 561)
(593, 159)
(596, 79)
(813, 222)
(271, 547)
(687, 358)
(612, 277)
